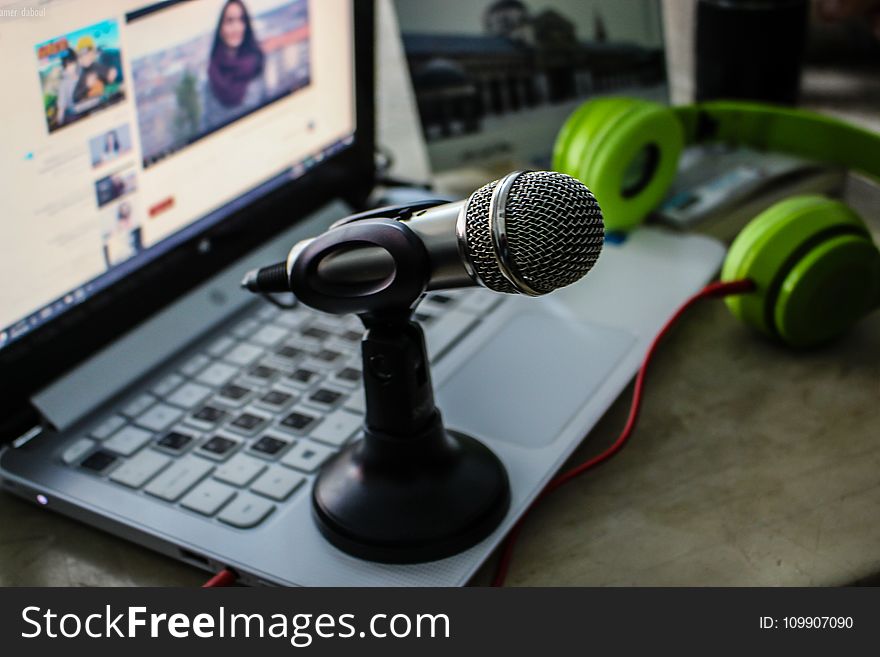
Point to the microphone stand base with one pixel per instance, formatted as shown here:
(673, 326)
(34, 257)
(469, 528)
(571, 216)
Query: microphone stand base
(440, 493)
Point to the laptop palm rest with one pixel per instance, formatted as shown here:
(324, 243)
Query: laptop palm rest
(526, 382)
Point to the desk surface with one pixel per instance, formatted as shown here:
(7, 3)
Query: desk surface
(751, 465)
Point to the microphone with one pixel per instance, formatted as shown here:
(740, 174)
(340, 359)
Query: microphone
(410, 490)
(527, 233)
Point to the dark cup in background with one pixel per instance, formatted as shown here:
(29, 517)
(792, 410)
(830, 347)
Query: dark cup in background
(750, 49)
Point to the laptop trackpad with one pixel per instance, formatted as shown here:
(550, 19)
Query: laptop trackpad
(526, 382)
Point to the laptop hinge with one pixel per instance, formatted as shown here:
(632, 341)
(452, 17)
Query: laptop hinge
(128, 359)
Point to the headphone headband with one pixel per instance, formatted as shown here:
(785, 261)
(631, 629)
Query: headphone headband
(797, 132)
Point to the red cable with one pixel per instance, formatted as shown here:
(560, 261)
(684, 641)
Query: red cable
(713, 290)
(225, 577)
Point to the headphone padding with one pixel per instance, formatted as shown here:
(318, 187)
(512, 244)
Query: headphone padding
(602, 139)
(772, 246)
(828, 290)
(578, 132)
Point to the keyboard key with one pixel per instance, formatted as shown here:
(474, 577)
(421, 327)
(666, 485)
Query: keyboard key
(243, 354)
(288, 352)
(315, 333)
(240, 470)
(220, 346)
(322, 367)
(159, 417)
(189, 395)
(349, 375)
(219, 447)
(179, 478)
(233, 394)
(98, 461)
(267, 313)
(175, 441)
(269, 445)
(269, 336)
(138, 470)
(298, 421)
(351, 335)
(167, 384)
(277, 483)
(356, 402)
(275, 400)
(301, 377)
(337, 428)
(248, 423)
(77, 450)
(138, 405)
(207, 498)
(207, 417)
(217, 374)
(324, 398)
(327, 355)
(263, 372)
(209, 414)
(108, 427)
(306, 456)
(291, 318)
(246, 511)
(195, 365)
(128, 440)
(245, 328)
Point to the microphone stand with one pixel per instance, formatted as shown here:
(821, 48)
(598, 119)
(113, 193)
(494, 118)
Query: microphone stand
(410, 490)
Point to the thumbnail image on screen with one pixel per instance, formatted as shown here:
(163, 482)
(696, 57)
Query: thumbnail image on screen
(109, 146)
(115, 186)
(121, 235)
(80, 73)
(244, 61)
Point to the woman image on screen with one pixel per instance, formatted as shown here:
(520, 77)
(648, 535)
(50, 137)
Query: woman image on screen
(111, 147)
(235, 68)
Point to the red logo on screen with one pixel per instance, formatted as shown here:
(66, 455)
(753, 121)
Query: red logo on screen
(161, 206)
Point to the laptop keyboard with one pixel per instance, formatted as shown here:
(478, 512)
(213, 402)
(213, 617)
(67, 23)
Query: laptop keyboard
(244, 420)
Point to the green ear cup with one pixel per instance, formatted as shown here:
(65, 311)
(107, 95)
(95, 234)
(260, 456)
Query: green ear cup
(830, 289)
(578, 132)
(815, 268)
(626, 151)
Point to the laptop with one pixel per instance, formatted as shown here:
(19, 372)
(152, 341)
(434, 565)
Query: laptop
(144, 170)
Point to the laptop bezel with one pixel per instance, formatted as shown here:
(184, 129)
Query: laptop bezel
(35, 360)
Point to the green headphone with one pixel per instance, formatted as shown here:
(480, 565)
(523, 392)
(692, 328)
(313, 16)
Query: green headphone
(814, 265)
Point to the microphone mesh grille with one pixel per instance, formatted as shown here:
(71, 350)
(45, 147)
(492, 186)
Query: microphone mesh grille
(554, 231)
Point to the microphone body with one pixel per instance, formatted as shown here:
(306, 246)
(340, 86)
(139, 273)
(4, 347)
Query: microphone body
(527, 233)
(437, 229)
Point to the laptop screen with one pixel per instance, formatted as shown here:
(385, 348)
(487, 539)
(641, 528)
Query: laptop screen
(494, 80)
(129, 127)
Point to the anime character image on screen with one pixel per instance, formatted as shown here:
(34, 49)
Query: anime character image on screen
(80, 73)
(248, 54)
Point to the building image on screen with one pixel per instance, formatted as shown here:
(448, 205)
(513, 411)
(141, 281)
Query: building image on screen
(243, 60)
(495, 79)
